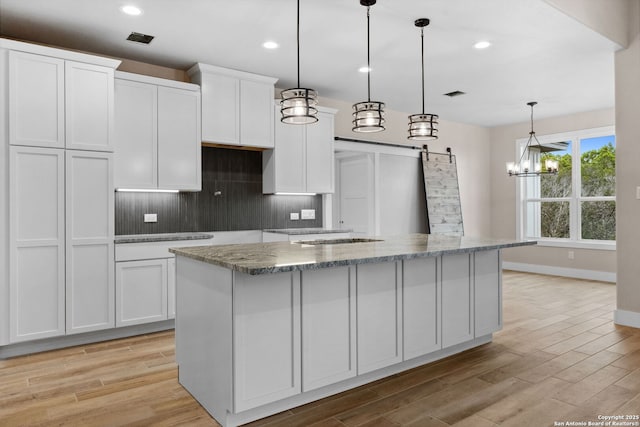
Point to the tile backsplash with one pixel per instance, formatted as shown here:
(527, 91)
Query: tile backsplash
(231, 199)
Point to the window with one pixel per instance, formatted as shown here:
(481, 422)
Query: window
(576, 207)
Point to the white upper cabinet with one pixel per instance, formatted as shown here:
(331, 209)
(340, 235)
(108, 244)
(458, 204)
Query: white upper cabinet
(36, 100)
(157, 130)
(88, 107)
(302, 158)
(60, 104)
(179, 148)
(236, 106)
(136, 135)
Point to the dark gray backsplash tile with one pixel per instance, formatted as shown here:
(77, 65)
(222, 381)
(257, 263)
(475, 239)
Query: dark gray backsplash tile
(237, 176)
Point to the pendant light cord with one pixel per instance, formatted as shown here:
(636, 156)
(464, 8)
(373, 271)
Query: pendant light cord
(422, 41)
(298, 40)
(368, 61)
(532, 132)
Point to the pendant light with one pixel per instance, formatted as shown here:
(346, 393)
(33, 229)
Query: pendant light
(423, 126)
(298, 105)
(368, 116)
(523, 166)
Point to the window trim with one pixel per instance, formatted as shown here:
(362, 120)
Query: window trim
(574, 240)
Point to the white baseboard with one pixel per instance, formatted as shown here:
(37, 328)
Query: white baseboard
(626, 318)
(576, 273)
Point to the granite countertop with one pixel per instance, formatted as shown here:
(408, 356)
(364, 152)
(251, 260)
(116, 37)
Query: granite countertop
(161, 237)
(297, 231)
(264, 258)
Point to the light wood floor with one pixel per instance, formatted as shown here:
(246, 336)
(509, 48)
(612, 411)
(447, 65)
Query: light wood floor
(559, 358)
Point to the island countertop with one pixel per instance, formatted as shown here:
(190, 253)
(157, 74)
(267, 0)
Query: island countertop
(276, 257)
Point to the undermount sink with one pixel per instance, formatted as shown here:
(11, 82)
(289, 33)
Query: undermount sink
(337, 241)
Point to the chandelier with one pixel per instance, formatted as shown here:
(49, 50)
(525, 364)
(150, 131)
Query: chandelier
(524, 167)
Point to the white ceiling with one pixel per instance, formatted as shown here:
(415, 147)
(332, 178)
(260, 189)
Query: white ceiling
(538, 53)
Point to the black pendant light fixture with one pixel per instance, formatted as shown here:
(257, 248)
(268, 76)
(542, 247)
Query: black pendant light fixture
(524, 167)
(368, 116)
(298, 105)
(423, 127)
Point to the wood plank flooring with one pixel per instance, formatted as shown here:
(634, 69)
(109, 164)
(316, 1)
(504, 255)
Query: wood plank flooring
(558, 358)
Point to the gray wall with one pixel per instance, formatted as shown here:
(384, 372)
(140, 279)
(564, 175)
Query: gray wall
(237, 174)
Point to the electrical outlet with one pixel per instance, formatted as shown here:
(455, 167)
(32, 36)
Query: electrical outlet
(294, 216)
(638, 193)
(571, 255)
(308, 214)
(150, 217)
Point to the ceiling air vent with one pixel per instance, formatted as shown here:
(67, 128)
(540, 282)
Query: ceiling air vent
(140, 38)
(455, 93)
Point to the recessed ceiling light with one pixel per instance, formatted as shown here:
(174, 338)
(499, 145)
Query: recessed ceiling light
(131, 10)
(270, 45)
(364, 69)
(482, 45)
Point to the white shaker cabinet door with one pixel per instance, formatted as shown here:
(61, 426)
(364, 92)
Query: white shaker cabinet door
(89, 100)
(36, 248)
(319, 156)
(379, 315)
(266, 338)
(171, 288)
(421, 308)
(328, 326)
(136, 135)
(179, 145)
(36, 100)
(488, 292)
(256, 114)
(220, 109)
(141, 291)
(457, 299)
(90, 230)
(289, 157)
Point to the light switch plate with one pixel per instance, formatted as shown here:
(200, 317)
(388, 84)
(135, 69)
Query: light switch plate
(294, 216)
(308, 213)
(638, 193)
(150, 217)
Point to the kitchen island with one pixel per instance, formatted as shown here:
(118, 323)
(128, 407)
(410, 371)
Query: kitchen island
(261, 328)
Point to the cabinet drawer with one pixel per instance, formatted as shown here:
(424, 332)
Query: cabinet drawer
(151, 250)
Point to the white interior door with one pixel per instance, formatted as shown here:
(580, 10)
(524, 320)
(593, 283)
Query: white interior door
(356, 200)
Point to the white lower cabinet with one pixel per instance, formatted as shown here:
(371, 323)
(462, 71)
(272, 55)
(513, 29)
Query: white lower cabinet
(487, 292)
(421, 307)
(266, 338)
(61, 242)
(379, 315)
(37, 243)
(328, 326)
(89, 243)
(171, 288)
(457, 299)
(141, 292)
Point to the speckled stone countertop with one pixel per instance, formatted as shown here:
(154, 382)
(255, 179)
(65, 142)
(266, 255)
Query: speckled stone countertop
(161, 237)
(264, 258)
(297, 231)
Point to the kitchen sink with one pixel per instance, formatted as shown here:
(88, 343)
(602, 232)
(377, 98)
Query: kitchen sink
(337, 241)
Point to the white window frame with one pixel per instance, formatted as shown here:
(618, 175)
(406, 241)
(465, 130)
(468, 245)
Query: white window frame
(574, 240)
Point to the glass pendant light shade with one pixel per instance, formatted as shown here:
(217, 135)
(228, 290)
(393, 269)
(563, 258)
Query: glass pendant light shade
(298, 105)
(423, 126)
(368, 116)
